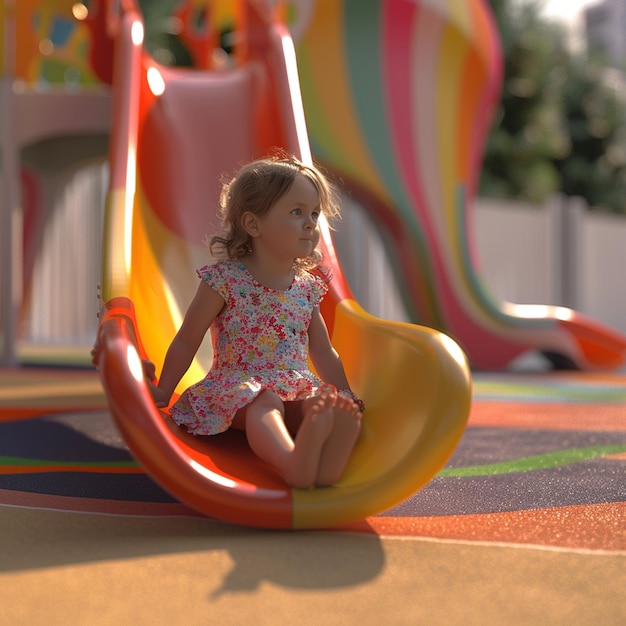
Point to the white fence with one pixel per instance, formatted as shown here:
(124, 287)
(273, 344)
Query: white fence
(560, 253)
(555, 254)
(62, 299)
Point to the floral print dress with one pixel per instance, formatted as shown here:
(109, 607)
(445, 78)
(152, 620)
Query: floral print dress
(260, 341)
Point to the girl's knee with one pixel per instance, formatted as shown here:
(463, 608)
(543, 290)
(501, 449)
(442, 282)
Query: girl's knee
(266, 401)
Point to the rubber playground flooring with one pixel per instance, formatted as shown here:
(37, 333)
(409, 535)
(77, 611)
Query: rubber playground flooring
(526, 524)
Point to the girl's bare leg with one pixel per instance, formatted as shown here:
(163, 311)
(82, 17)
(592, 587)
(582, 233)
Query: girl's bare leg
(340, 442)
(296, 459)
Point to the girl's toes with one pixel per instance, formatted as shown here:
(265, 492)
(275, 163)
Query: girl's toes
(347, 405)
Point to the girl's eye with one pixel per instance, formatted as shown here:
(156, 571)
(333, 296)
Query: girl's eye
(296, 212)
(315, 216)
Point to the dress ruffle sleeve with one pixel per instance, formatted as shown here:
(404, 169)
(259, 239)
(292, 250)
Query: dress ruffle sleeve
(215, 277)
(318, 290)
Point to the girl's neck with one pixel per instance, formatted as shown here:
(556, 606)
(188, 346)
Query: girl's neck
(277, 276)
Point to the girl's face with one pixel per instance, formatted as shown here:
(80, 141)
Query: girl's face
(290, 228)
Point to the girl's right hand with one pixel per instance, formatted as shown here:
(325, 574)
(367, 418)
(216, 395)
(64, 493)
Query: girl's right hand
(158, 395)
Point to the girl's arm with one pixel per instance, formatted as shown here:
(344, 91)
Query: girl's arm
(325, 358)
(204, 308)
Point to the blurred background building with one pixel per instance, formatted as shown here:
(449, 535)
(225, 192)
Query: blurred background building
(605, 32)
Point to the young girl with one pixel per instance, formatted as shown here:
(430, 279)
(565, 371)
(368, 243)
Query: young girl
(262, 305)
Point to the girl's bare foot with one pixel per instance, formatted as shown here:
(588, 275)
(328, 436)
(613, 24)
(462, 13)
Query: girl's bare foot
(340, 442)
(347, 405)
(317, 423)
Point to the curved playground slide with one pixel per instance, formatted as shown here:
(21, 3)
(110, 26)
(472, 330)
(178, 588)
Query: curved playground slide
(174, 133)
(398, 96)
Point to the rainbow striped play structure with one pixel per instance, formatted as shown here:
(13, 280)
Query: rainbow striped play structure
(398, 96)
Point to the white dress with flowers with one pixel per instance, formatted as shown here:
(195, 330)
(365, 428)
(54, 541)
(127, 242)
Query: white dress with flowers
(260, 341)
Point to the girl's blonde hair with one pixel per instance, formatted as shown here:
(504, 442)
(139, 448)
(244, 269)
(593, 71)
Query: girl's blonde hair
(255, 188)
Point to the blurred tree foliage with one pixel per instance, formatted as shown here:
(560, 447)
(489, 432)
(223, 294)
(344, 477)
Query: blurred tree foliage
(560, 127)
(162, 32)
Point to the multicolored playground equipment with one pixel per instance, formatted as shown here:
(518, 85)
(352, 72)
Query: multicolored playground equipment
(396, 99)
(174, 132)
(55, 114)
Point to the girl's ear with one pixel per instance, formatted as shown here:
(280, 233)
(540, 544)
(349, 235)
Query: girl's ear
(250, 224)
